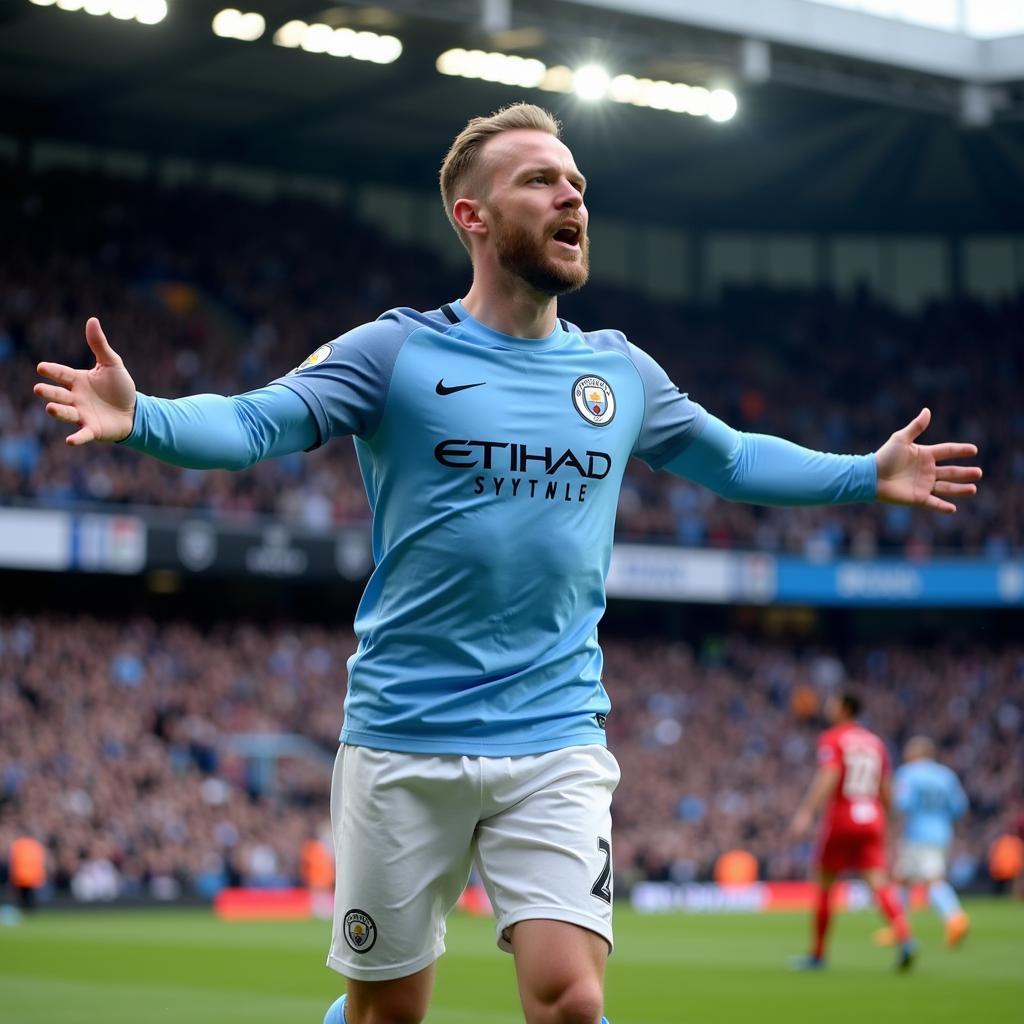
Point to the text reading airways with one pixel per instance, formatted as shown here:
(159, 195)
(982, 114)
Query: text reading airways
(517, 458)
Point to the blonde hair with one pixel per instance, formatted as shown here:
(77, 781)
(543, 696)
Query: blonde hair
(460, 169)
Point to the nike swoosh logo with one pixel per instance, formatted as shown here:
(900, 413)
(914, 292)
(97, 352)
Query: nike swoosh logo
(442, 389)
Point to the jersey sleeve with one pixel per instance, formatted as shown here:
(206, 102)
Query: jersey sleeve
(671, 420)
(218, 432)
(345, 382)
(768, 470)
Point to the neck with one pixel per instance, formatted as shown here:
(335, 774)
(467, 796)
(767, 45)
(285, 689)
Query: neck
(507, 304)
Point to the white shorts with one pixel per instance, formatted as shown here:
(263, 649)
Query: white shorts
(409, 827)
(920, 862)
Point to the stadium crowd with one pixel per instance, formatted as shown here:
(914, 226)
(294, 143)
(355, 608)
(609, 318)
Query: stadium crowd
(117, 750)
(202, 291)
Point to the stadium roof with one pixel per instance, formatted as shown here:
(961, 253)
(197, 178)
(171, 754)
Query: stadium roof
(825, 139)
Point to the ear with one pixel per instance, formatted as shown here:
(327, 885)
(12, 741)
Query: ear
(468, 214)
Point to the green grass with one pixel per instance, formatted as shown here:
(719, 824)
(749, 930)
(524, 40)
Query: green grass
(110, 967)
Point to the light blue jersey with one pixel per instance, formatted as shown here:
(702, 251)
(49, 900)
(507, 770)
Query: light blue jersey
(493, 466)
(930, 798)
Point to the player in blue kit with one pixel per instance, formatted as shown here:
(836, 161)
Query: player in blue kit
(930, 798)
(492, 437)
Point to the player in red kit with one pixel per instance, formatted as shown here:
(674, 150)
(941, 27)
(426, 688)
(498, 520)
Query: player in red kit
(853, 784)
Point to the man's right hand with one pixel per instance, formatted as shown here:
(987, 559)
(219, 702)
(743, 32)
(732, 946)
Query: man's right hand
(101, 401)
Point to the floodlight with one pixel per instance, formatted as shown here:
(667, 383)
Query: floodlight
(557, 79)
(291, 33)
(252, 26)
(149, 12)
(623, 88)
(317, 38)
(451, 61)
(699, 101)
(364, 45)
(389, 49)
(591, 82)
(660, 95)
(342, 43)
(722, 105)
(226, 22)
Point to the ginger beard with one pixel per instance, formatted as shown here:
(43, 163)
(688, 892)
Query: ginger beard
(525, 254)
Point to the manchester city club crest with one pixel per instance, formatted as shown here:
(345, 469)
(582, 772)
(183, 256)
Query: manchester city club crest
(594, 400)
(360, 931)
(315, 359)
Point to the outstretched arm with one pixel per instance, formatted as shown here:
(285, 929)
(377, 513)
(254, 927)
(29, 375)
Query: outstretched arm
(770, 471)
(199, 432)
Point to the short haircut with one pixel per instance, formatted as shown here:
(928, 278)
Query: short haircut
(461, 167)
(851, 703)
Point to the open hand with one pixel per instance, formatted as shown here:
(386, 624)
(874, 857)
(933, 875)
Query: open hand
(101, 401)
(910, 474)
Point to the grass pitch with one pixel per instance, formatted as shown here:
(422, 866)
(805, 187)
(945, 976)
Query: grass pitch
(109, 967)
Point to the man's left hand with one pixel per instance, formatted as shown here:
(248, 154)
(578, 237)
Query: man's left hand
(910, 474)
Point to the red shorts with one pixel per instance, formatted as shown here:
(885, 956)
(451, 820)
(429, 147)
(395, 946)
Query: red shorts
(850, 851)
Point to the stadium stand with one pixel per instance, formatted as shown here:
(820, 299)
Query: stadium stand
(271, 281)
(117, 751)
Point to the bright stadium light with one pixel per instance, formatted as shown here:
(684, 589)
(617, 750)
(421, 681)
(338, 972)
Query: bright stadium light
(699, 101)
(225, 23)
(336, 42)
(252, 27)
(231, 23)
(43, 3)
(70, 5)
(342, 43)
(557, 79)
(591, 82)
(317, 38)
(97, 8)
(389, 49)
(722, 106)
(450, 62)
(150, 12)
(508, 69)
(123, 10)
(290, 34)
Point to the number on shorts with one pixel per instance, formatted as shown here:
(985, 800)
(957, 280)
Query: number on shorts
(863, 770)
(602, 888)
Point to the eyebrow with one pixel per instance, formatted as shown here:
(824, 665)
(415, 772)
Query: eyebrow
(574, 176)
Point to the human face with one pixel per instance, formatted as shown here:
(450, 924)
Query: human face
(535, 203)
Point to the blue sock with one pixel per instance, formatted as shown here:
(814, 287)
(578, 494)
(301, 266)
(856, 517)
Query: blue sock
(944, 899)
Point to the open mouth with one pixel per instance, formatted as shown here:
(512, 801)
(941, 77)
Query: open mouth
(568, 236)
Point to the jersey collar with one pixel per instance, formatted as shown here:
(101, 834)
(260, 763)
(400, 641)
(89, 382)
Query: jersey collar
(480, 332)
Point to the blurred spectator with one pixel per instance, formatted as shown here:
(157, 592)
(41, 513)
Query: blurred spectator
(736, 867)
(316, 864)
(27, 869)
(272, 281)
(135, 790)
(1006, 861)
